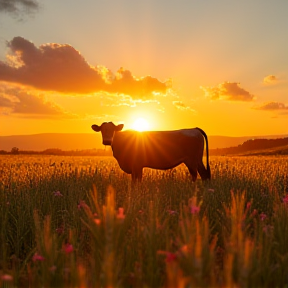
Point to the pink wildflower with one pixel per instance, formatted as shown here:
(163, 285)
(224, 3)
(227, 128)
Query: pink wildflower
(37, 257)
(171, 212)
(68, 248)
(263, 216)
(120, 214)
(57, 194)
(171, 257)
(248, 205)
(140, 211)
(285, 199)
(97, 221)
(60, 230)
(7, 277)
(254, 212)
(211, 190)
(195, 209)
(82, 204)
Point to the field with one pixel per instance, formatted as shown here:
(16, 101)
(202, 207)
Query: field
(79, 222)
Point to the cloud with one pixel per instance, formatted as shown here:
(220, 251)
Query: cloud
(18, 6)
(60, 67)
(181, 106)
(272, 106)
(230, 91)
(19, 102)
(270, 79)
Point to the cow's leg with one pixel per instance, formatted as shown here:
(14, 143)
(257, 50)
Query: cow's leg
(202, 170)
(192, 170)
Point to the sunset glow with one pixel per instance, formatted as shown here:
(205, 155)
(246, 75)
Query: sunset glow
(206, 68)
(141, 124)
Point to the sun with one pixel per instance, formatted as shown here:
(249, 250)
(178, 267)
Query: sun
(141, 124)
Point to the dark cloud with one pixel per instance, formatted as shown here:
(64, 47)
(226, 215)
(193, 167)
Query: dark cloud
(272, 106)
(18, 6)
(181, 106)
(20, 102)
(230, 91)
(270, 79)
(60, 67)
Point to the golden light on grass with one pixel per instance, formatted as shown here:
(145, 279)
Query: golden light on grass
(141, 124)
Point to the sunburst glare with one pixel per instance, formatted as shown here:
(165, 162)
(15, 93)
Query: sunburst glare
(140, 124)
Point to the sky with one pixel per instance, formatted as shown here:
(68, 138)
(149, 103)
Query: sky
(221, 65)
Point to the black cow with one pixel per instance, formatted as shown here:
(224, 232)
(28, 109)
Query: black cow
(156, 149)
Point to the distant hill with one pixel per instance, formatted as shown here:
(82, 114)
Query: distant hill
(82, 141)
(39, 142)
(277, 146)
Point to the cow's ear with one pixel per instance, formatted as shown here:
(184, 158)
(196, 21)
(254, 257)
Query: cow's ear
(96, 128)
(119, 127)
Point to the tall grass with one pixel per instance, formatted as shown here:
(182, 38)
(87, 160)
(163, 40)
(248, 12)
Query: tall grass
(79, 222)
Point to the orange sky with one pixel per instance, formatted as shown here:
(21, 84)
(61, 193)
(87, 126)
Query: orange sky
(176, 65)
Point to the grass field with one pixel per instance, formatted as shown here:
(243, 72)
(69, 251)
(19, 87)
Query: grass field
(78, 222)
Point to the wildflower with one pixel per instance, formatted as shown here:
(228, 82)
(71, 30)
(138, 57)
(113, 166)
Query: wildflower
(195, 209)
(68, 248)
(140, 211)
(254, 212)
(263, 216)
(171, 212)
(171, 257)
(37, 257)
(60, 230)
(285, 199)
(7, 277)
(82, 204)
(120, 214)
(57, 194)
(248, 205)
(97, 221)
(211, 190)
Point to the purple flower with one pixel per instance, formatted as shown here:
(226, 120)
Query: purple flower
(68, 248)
(171, 212)
(57, 194)
(195, 209)
(285, 199)
(263, 216)
(37, 257)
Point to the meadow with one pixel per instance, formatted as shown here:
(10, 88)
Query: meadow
(79, 222)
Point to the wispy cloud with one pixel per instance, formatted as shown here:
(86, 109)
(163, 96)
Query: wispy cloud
(270, 79)
(19, 102)
(229, 91)
(272, 106)
(60, 67)
(18, 6)
(181, 106)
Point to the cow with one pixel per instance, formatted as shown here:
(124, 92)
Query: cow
(156, 149)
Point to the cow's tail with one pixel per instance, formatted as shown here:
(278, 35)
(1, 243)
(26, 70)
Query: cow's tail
(207, 153)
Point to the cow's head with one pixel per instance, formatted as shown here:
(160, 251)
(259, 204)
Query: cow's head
(108, 130)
